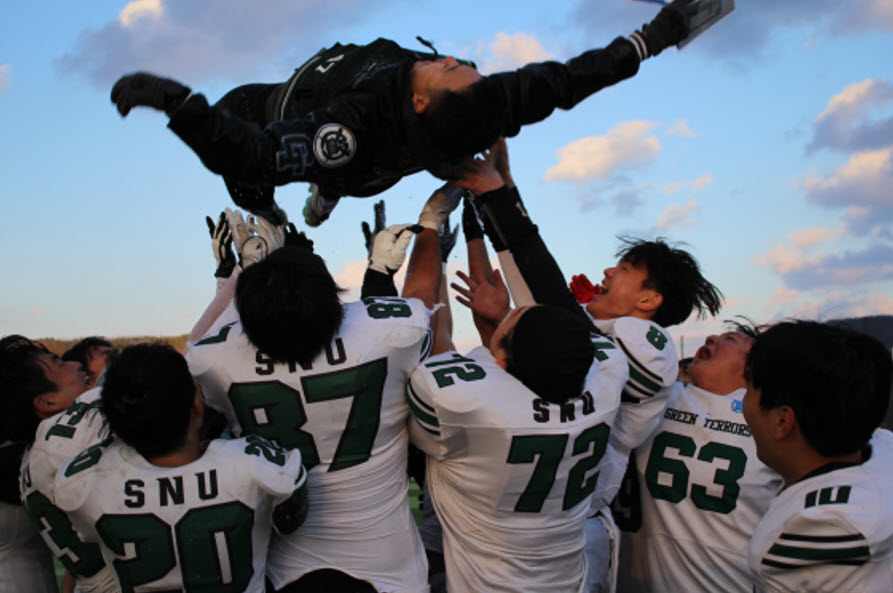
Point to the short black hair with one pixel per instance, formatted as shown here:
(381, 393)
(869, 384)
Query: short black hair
(550, 351)
(676, 275)
(83, 349)
(147, 398)
(22, 378)
(462, 123)
(289, 305)
(836, 380)
(80, 351)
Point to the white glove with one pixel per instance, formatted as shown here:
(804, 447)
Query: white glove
(389, 247)
(265, 239)
(238, 228)
(438, 207)
(255, 239)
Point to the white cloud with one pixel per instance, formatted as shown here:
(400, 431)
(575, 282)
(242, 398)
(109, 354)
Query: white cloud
(508, 52)
(783, 296)
(204, 40)
(139, 9)
(865, 179)
(680, 128)
(809, 237)
(676, 215)
(351, 278)
(697, 184)
(789, 256)
(848, 123)
(5, 76)
(627, 145)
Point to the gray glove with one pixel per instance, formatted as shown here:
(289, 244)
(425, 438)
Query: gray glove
(671, 25)
(148, 90)
(438, 207)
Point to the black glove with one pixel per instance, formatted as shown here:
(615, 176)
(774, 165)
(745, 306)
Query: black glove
(142, 88)
(222, 243)
(295, 238)
(448, 239)
(369, 234)
(671, 25)
(471, 226)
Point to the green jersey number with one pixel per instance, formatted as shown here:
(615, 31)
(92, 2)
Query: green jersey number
(678, 488)
(455, 367)
(213, 544)
(80, 558)
(65, 427)
(275, 411)
(386, 307)
(547, 451)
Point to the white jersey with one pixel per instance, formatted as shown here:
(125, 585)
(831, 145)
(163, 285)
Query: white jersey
(57, 439)
(702, 492)
(25, 562)
(831, 532)
(652, 372)
(511, 475)
(347, 415)
(202, 526)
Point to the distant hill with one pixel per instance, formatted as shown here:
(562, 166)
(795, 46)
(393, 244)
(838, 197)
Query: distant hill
(877, 326)
(60, 346)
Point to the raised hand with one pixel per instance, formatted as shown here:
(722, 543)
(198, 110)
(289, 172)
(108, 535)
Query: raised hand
(488, 299)
(147, 90)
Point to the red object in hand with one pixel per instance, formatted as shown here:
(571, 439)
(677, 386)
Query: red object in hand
(582, 288)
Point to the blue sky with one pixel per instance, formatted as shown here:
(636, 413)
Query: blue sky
(766, 146)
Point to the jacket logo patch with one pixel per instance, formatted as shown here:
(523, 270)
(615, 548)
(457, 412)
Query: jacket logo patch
(334, 145)
(294, 158)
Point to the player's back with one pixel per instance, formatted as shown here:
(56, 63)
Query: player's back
(57, 439)
(514, 474)
(347, 415)
(201, 526)
(832, 531)
(702, 491)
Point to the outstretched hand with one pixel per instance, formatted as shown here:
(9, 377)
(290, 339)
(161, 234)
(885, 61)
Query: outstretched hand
(222, 244)
(448, 239)
(389, 247)
(148, 90)
(488, 299)
(370, 233)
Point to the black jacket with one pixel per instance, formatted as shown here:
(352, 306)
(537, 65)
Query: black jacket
(346, 121)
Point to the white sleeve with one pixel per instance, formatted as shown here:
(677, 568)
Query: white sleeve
(424, 423)
(652, 373)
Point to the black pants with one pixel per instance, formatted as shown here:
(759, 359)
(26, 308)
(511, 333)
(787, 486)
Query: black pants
(325, 581)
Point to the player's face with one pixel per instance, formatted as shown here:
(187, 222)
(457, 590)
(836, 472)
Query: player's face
(445, 74)
(504, 327)
(718, 365)
(620, 291)
(68, 376)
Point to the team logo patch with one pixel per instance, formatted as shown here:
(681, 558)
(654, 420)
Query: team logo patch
(294, 158)
(334, 145)
(737, 406)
